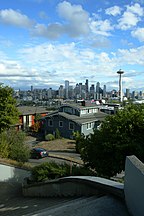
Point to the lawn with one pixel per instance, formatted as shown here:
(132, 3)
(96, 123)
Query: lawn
(58, 145)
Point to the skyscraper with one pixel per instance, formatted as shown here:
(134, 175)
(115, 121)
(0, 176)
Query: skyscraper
(104, 91)
(86, 88)
(61, 91)
(66, 89)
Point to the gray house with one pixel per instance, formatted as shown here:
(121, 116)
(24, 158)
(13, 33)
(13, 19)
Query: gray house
(70, 118)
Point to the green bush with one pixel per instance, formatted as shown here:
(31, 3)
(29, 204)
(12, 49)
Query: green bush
(78, 137)
(57, 135)
(19, 151)
(52, 170)
(49, 137)
(12, 145)
(4, 145)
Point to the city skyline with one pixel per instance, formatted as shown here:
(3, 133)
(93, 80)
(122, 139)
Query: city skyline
(45, 42)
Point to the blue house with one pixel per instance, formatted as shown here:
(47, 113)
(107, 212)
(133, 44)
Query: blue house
(71, 118)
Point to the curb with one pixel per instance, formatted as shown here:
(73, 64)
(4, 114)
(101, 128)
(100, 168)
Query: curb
(66, 158)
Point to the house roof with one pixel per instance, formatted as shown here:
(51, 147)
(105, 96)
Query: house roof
(79, 106)
(100, 116)
(29, 110)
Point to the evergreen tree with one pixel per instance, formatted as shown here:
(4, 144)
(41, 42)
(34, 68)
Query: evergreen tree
(8, 111)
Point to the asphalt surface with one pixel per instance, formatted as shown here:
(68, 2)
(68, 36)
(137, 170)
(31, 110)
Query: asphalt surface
(12, 203)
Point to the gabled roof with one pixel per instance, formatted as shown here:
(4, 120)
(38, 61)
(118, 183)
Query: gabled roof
(29, 110)
(79, 106)
(100, 116)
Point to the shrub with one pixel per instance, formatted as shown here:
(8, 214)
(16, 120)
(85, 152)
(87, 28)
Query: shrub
(52, 170)
(49, 137)
(12, 145)
(78, 137)
(57, 134)
(4, 146)
(19, 151)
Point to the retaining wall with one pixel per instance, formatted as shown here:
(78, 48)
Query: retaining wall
(134, 185)
(12, 174)
(74, 186)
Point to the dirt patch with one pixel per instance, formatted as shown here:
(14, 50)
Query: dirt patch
(58, 145)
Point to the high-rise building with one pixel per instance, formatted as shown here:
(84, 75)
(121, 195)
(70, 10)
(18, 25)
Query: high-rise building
(61, 91)
(49, 93)
(128, 93)
(86, 88)
(31, 88)
(104, 91)
(92, 91)
(66, 89)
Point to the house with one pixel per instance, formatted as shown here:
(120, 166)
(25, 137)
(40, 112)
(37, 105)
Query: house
(28, 114)
(73, 117)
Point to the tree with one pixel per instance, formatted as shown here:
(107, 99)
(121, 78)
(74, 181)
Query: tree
(8, 111)
(120, 135)
(12, 145)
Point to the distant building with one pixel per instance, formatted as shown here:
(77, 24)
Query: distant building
(61, 92)
(66, 89)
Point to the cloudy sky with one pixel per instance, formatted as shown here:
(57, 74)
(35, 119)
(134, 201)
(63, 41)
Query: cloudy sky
(45, 42)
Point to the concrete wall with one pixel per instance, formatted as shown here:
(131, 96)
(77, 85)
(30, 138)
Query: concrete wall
(12, 174)
(74, 186)
(134, 186)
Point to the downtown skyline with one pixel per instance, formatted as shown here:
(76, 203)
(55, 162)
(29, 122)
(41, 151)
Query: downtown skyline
(45, 42)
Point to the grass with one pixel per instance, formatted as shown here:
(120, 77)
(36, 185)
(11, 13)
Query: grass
(58, 145)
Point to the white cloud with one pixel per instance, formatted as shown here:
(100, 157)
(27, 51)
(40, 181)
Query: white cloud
(128, 20)
(12, 17)
(75, 23)
(77, 19)
(52, 31)
(114, 11)
(136, 9)
(130, 17)
(131, 56)
(139, 34)
(101, 27)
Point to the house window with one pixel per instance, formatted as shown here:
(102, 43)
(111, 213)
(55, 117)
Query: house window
(60, 123)
(50, 123)
(89, 126)
(71, 126)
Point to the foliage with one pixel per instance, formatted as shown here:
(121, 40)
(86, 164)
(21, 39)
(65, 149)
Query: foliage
(120, 135)
(49, 137)
(19, 151)
(37, 117)
(78, 137)
(4, 145)
(57, 134)
(52, 170)
(8, 111)
(36, 127)
(12, 145)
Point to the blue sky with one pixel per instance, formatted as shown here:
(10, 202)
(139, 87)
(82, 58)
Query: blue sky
(45, 42)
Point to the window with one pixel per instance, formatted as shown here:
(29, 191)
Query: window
(60, 123)
(89, 125)
(71, 126)
(50, 122)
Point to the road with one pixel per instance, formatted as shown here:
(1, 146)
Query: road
(57, 157)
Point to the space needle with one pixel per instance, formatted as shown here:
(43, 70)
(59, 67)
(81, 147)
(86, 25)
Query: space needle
(120, 72)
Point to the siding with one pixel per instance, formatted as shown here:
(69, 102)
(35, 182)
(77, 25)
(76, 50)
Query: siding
(64, 131)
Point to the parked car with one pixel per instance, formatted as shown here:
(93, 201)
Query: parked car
(39, 153)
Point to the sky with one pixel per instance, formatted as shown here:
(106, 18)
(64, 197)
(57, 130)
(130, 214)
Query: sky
(45, 42)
